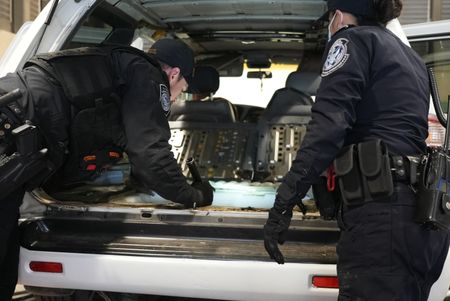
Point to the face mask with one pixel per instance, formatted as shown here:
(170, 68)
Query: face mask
(329, 27)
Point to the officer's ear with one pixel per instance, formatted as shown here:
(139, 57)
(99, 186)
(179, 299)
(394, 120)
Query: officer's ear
(174, 74)
(339, 19)
(344, 19)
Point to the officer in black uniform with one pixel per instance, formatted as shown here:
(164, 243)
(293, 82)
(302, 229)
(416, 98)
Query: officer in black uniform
(374, 89)
(89, 105)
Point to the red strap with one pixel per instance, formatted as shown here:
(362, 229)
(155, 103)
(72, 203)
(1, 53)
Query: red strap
(331, 178)
(91, 167)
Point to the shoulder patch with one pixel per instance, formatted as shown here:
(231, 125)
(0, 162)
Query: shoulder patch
(164, 98)
(336, 58)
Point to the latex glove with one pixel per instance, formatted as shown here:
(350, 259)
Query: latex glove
(207, 193)
(275, 231)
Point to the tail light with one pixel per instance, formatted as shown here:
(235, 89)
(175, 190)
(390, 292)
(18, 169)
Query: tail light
(46, 267)
(325, 281)
(436, 132)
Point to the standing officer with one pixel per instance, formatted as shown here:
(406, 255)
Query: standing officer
(373, 99)
(90, 104)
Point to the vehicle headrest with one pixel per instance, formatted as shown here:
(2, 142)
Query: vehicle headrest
(219, 110)
(204, 81)
(306, 82)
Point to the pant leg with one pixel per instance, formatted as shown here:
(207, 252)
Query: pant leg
(384, 255)
(9, 243)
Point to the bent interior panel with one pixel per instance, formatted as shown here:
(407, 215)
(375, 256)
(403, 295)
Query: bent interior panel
(223, 151)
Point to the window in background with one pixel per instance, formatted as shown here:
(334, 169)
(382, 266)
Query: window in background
(254, 91)
(436, 54)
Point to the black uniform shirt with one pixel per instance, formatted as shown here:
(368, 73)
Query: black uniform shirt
(373, 86)
(145, 98)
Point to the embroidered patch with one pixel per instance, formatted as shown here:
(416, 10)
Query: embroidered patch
(337, 56)
(164, 98)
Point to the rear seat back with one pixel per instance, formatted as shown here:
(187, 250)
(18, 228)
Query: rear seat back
(223, 151)
(220, 110)
(282, 126)
(305, 82)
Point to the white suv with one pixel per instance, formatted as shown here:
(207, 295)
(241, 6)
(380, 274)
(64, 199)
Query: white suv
(102, 239)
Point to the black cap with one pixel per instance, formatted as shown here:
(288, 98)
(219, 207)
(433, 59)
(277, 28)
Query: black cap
(205, 80)
(175, 54)
(363, 8)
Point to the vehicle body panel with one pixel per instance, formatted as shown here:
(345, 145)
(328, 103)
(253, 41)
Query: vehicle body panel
(165, 271)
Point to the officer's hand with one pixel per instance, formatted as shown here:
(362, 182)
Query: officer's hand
(275, 231)
(207, 191)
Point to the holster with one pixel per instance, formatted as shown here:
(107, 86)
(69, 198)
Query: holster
(23, 162)
(326, 201)
(363, 172)
(433, 199)
(29, 166)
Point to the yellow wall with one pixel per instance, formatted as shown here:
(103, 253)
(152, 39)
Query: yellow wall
(5, 38)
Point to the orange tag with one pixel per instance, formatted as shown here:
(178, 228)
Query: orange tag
(89, 158)
(114, 155)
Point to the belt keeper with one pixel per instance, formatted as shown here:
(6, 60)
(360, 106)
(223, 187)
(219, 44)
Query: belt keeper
(413, 164)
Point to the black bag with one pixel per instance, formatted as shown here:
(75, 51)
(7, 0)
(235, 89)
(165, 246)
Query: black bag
(326, 201)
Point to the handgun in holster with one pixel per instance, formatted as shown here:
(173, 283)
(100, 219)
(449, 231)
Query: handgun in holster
(433, 190)
(23, 163)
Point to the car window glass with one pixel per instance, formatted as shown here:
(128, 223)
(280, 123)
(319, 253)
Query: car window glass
(92, 32)
(254, 91)
(436, 54)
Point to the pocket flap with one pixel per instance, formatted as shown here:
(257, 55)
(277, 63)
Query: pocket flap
(371, 155)
(343, 163)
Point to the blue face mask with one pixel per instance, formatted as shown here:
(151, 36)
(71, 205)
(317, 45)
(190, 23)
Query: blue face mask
(329, 27)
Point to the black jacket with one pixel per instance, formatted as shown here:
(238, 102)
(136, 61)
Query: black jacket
(147, 129)
(373, 86)
(144, 94)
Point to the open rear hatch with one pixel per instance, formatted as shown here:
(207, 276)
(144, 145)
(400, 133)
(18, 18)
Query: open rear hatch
(130, 223)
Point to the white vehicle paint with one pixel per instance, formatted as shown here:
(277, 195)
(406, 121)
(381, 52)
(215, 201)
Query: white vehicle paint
(165, 275)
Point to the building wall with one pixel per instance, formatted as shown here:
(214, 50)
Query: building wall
(13, 13)
(5, 15)
(416, 11)
(446, 9)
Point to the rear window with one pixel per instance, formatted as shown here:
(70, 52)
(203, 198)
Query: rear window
(254, 91)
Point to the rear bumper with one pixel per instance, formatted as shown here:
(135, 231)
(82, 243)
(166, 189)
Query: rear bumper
(196, 278)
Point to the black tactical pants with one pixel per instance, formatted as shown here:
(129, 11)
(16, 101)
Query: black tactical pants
(9, 243)
(384, 255)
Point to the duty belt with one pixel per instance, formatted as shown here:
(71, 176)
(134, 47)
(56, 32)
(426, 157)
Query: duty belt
(404, 168)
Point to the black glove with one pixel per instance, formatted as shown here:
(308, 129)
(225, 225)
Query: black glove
(275, 232)
(207, 192)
